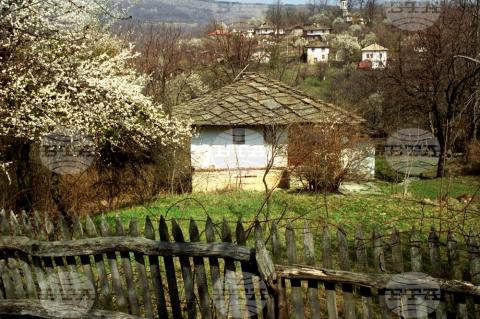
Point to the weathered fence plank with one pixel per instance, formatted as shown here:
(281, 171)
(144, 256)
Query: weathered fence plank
(114, 273)
(416, 260)
(474, 257)
(309, 249)
(141, 272)
(231, 286)
(328, 263)
(455, 273)
(296, 285)
(186, 273)
(200, 274)
(379, 264)
(214, 270)
(281, 304)
(362, 263)
(170, 272)
(266, 270)
(105, 295)
(128, 273)
(155, 272)
(250, 299)
(437, 269)
(344, 262)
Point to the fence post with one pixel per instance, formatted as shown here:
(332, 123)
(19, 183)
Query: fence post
(186, 272)
(230, 276)
(344, 261)
(309, 249)
(362, 262)
(328, 263)
(200, 274)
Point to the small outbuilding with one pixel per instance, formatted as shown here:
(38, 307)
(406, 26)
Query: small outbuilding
(236, 126)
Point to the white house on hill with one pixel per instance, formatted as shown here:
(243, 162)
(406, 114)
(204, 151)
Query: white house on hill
(269, 30)
(233, 142)
(376, 54)
(316, 31)
(317, 52)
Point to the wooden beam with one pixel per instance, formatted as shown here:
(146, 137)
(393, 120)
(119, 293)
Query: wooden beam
(100, 245)
(377, 281)
(46, 309)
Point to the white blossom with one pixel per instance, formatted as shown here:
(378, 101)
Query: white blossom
(59, 68)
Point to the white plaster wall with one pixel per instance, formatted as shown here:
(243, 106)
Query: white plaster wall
(321, 54)
(379, 59)
(213, 148)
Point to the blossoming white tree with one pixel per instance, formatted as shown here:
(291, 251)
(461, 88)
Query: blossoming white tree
(60, 69)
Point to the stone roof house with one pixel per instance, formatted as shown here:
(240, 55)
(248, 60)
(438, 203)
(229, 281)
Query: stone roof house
(317, 52)
(232, 144)
(376, 54)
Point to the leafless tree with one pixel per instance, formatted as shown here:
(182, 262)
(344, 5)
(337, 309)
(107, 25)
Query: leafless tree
(432, 81)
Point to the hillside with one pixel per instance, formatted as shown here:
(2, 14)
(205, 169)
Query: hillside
(194, 13)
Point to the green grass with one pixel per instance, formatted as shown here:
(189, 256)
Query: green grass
(387, 209)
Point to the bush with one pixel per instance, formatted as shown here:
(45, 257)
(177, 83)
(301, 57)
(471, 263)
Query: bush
(324, 155)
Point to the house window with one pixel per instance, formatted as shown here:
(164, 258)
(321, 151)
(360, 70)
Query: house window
(323, 56)
(238, 135)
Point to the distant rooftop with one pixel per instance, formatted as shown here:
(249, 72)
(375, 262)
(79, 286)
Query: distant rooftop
(258, 100)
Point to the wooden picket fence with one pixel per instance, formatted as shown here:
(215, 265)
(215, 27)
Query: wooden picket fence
(159, 274)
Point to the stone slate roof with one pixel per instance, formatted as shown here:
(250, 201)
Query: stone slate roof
(257, 100)
(374, 47)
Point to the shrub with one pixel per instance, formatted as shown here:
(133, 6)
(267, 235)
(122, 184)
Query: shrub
(324, 155)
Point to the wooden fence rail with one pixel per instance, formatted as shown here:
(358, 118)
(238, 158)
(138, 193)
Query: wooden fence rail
(215, 273)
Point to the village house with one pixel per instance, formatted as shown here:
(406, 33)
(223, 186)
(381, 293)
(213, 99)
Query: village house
(244, 28)
(316, 32)
(269, 30)
(317, 52)
(295, 31)
(376, 54)
(233, 144)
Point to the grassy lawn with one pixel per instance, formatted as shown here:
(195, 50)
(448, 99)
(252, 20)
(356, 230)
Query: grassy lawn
(385, 209)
